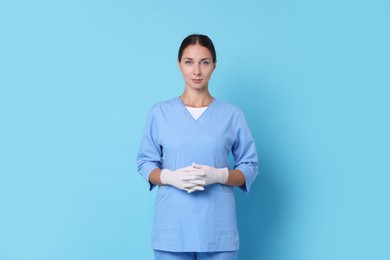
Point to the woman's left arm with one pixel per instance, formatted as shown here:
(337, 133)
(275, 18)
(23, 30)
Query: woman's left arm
(236, 178)
(245, 156)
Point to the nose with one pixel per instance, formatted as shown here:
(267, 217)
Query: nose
(196, 70)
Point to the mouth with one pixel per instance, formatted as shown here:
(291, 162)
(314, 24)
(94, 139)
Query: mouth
(197, 81)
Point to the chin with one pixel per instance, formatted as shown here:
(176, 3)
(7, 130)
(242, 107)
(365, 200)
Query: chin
(197, 87)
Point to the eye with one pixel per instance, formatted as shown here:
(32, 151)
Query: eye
(205, 63)
(188, 62)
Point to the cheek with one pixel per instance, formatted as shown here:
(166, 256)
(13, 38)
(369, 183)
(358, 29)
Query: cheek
(208, 73)
(185, 72)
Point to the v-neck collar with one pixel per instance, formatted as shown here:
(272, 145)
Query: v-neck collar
(188, 112)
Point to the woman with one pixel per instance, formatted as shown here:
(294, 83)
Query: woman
(184, 150)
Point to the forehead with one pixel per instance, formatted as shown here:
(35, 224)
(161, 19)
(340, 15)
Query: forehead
(196, 51)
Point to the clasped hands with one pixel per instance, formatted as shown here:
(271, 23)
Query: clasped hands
(194, 177)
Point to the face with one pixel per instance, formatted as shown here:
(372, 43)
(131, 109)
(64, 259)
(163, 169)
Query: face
(196, 65)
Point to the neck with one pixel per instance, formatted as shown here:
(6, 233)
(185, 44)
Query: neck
(196, 98)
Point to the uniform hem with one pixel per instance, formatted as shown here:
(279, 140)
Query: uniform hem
(194, 250)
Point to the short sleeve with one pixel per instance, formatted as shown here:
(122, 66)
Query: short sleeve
(150, 152)
(244, 153)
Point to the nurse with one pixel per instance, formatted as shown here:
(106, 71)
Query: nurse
(184, 151)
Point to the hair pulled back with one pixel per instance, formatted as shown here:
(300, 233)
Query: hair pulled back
(202, 40)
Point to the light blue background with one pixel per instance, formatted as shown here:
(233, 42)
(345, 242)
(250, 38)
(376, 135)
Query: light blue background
(78, 78)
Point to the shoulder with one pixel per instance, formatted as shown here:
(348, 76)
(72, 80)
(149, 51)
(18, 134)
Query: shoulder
(162, 106)
(233, 112)
(228, 108)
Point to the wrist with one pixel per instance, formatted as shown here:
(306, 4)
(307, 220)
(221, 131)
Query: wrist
(224, 175)
(164, 176)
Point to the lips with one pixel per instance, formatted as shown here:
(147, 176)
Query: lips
(197, 81)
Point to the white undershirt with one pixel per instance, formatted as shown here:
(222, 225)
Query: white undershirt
(196, 112)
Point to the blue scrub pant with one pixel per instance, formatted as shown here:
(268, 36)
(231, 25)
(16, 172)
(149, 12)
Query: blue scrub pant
(164, 255)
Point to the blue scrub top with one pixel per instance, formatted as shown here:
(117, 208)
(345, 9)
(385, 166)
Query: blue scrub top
(202, 221)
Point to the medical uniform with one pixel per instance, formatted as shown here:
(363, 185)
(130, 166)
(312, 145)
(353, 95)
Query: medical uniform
(202, 221)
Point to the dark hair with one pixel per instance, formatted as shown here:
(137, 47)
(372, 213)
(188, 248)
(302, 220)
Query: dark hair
(202, 40)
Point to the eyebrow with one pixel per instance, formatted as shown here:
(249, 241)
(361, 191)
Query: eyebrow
(193, 59)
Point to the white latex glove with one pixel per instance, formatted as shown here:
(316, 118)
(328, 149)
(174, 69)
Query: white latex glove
(188, 178)
(212, 175)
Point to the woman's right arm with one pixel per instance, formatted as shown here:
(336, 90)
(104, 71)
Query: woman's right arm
(149, 158)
